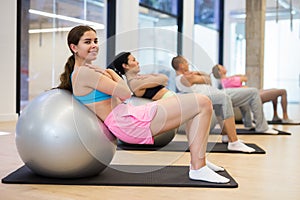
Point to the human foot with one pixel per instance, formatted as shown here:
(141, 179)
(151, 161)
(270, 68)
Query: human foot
(239, 146)
(207, 174)
(225, 139)
(214, 167)
(276, 119)
(252, 127)
(271, 131)
(288, 121)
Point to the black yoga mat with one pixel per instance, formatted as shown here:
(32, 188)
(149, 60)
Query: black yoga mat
(279, 122)
(118, 175)
(283, 123)
(182, 146)
(241, 131)
(239, 122)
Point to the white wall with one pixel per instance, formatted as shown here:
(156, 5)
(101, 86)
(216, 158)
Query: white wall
(230, 5)
(206, 48)
(188, 24)
(8, 12)
(200, 44)
(282, 59)
(48, 53)
(46, 61)
(127, 25)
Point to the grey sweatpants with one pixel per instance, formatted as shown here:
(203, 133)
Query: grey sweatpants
(247, 99)
(221, 101)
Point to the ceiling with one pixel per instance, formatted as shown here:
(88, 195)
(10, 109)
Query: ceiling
(280, 9)
(93, 10)
(89, 10)
(283, 6)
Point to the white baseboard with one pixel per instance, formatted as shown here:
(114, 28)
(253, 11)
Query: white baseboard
(8, 117)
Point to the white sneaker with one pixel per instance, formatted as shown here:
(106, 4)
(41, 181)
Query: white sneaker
(239, 146)
(252, 127)
(206, 174)
(225, 138)
(249, 128)
(214, 167)
(271, 131)
(289, 121)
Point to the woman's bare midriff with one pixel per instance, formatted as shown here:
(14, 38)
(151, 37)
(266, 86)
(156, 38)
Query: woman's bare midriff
(160, 94)
(102, 108)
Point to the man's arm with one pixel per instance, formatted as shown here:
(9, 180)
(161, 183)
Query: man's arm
(190, 78)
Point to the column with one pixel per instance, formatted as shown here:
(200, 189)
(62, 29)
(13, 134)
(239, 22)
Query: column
(255, 30)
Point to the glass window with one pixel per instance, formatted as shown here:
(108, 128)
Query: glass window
(157, 43)
(47, 27)
(281, 44)
(281, 63)
(206, 34)
(167, 6)
(238, 49)
(207, 13)
(280, 55)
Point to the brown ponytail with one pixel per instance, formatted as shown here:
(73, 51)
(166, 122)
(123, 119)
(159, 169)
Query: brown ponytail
(65, 77)
(73, 38)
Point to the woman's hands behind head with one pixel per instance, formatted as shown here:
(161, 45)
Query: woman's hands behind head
(100, 70)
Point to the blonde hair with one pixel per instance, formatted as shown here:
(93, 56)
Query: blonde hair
(215, 72)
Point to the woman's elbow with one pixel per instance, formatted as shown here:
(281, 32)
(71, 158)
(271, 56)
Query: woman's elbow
(126, 95)
(165, 77)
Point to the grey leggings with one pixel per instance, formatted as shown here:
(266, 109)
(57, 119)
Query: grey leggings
(249, 101)
(221, 101)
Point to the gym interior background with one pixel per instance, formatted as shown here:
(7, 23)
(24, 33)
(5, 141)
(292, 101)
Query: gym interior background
(274, 175)
(206, 32)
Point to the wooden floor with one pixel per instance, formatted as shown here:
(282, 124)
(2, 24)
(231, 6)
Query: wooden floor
(274, 175)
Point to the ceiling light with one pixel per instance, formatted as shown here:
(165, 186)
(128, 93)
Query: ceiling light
(66, 18)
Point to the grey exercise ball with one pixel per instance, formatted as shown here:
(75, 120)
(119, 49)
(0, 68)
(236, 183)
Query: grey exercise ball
(237, 114)
(56, 136)
(161, 139)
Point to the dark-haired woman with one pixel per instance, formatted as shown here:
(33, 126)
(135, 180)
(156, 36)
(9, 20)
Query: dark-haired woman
(103, 91)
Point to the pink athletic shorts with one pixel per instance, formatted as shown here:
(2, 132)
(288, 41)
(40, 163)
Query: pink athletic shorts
(131, 124)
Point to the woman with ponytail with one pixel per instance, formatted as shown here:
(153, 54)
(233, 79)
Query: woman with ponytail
(149, 86)
(104, 92)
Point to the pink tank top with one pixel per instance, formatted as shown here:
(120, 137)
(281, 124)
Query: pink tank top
(232, 82)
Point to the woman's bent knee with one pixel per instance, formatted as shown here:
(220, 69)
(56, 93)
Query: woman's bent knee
(283, 92)
(204, 103)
